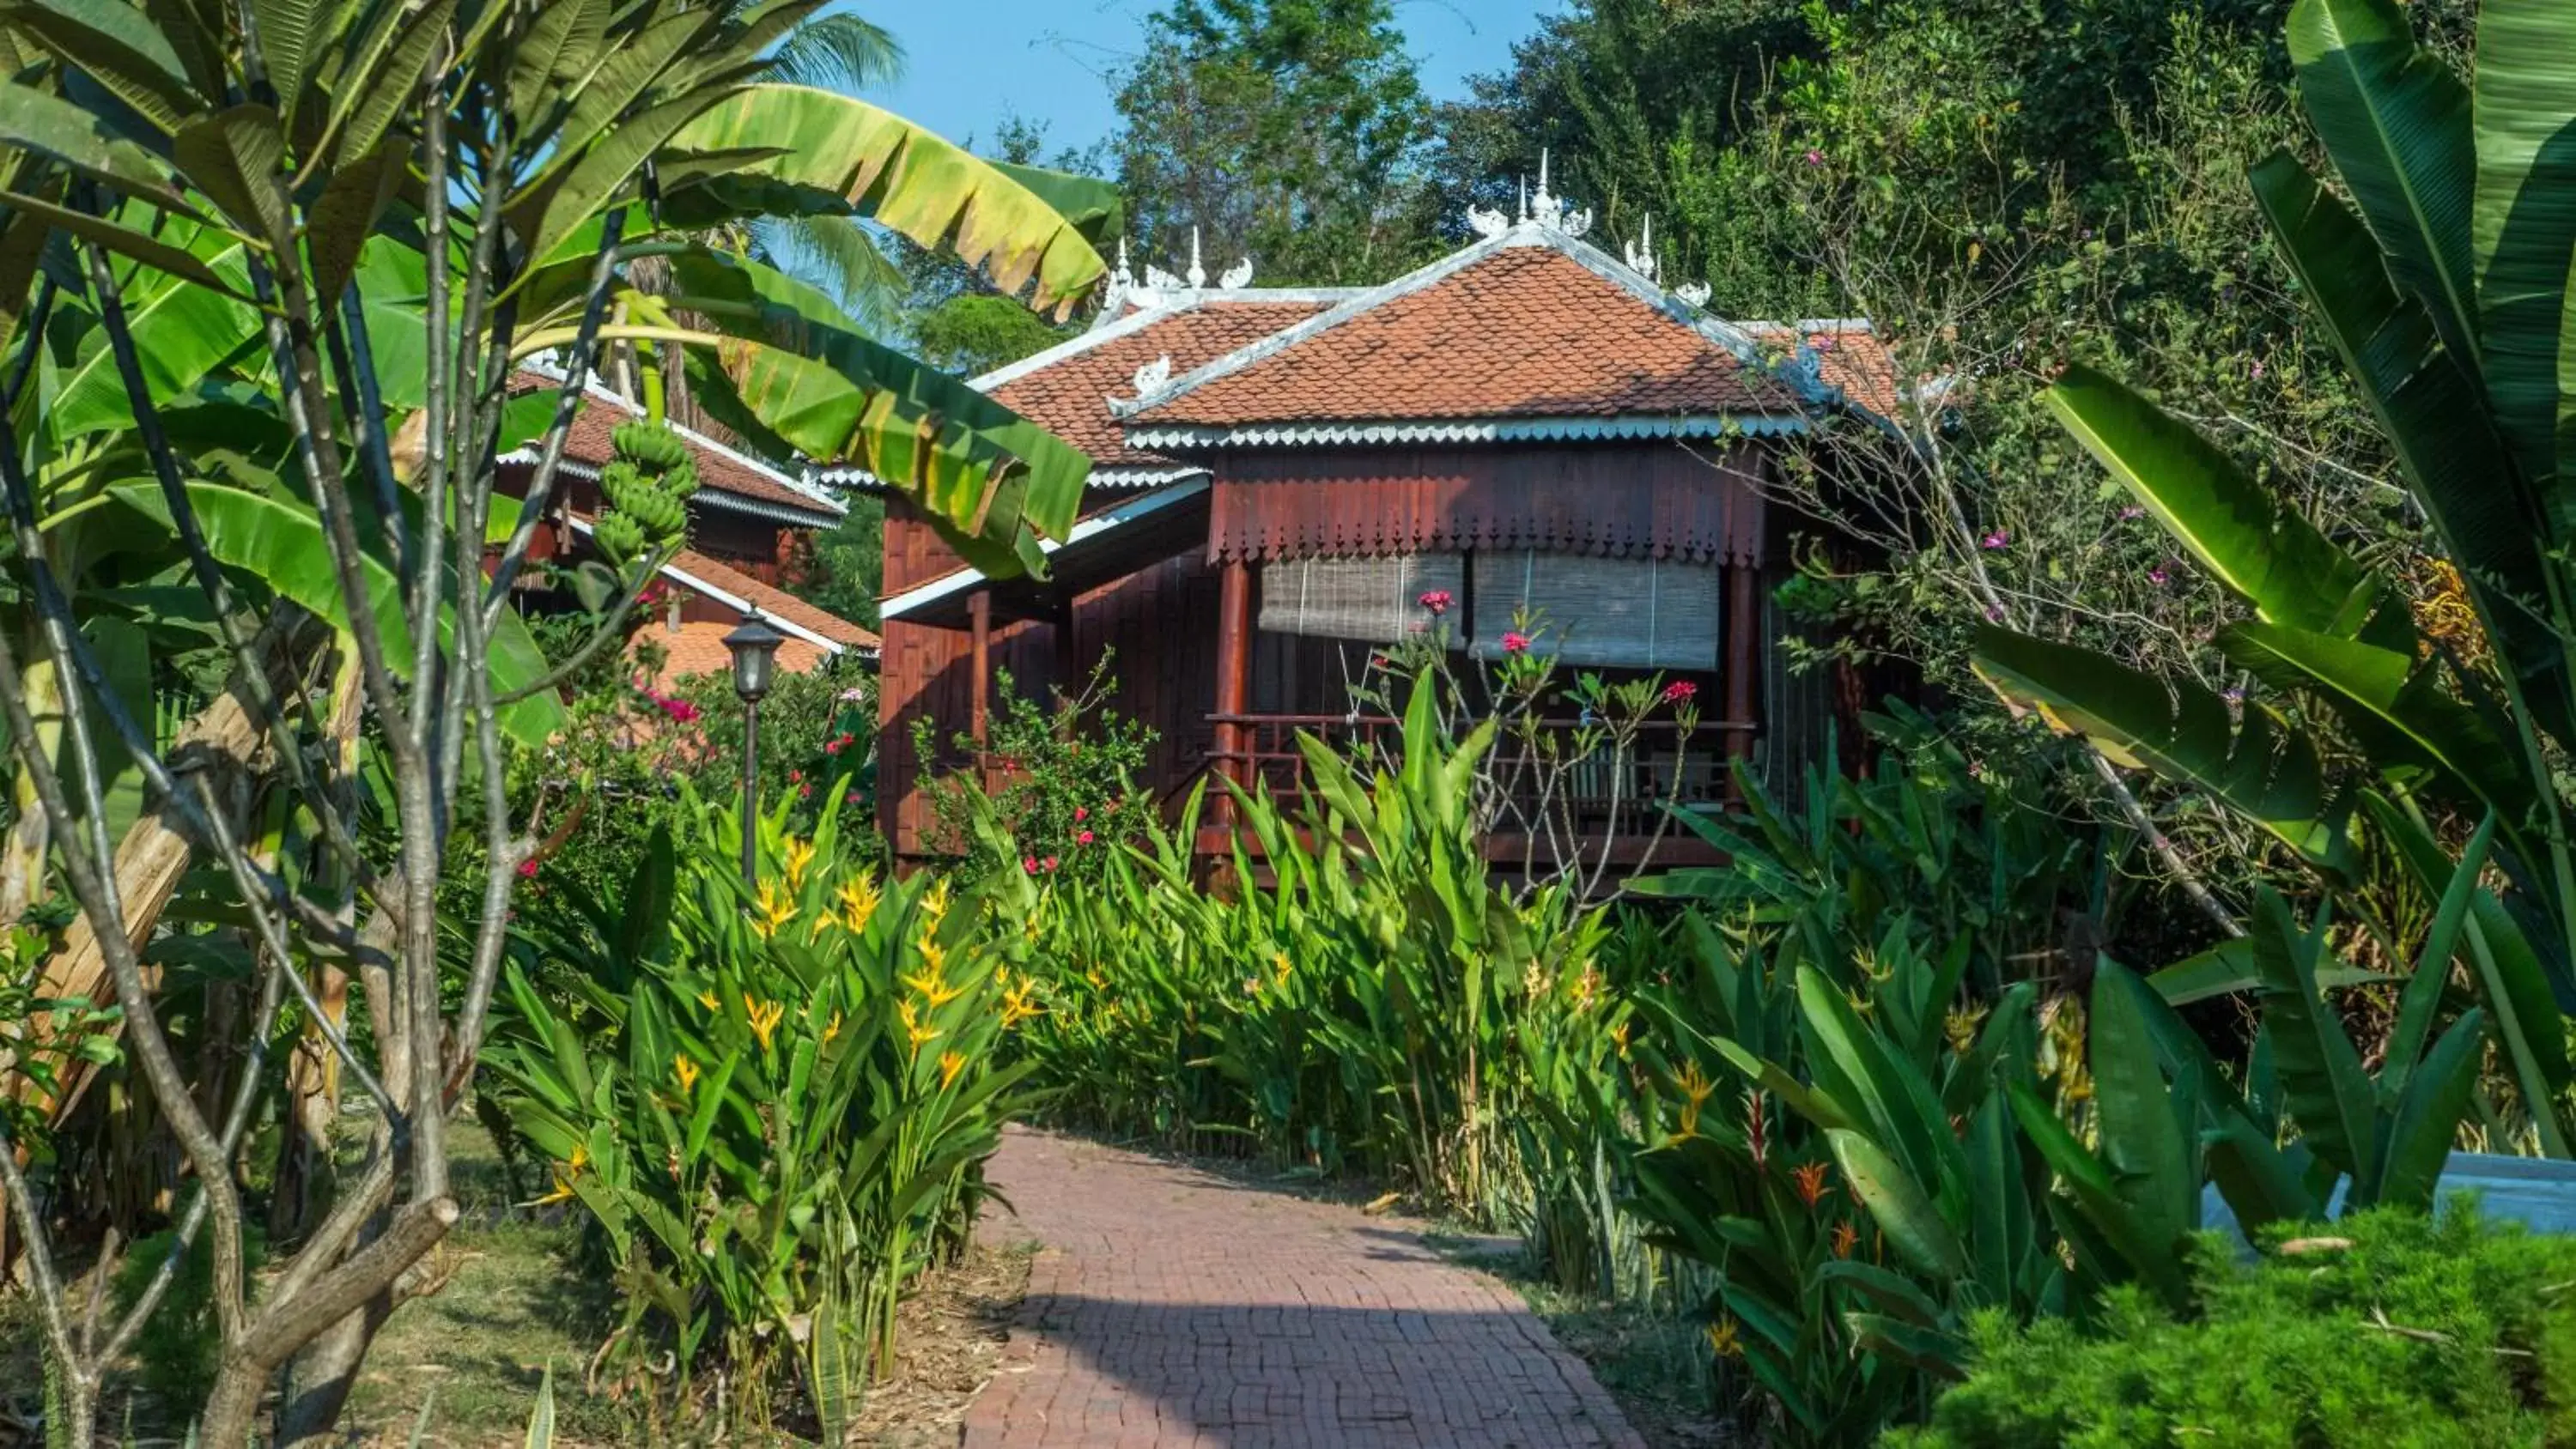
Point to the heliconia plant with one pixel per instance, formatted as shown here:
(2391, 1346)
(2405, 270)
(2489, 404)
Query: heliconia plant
(775, 1101)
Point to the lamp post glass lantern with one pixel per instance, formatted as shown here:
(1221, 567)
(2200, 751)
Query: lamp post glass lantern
(755, 656)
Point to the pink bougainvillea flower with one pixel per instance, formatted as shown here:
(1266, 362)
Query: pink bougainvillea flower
(1815, 157)
(1515, 642)
(1680, 691)
(2000, 538)
(2158, 576)
(1436, 600)
(1083, 839)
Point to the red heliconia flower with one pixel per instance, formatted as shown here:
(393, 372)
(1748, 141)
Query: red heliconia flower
(1680, 691)
(1515, 642)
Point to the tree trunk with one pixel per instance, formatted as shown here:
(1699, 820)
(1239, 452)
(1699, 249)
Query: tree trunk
(22, 867)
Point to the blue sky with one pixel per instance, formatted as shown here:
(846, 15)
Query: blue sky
(972, 62)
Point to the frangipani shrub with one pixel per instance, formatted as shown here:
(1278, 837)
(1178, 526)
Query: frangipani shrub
(775, 1101)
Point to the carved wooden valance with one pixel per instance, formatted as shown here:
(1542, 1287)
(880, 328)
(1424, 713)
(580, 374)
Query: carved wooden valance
(1649, 500)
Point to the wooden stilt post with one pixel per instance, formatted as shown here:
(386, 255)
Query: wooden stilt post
(1743, 655)
(1233, 672)
(979, 613)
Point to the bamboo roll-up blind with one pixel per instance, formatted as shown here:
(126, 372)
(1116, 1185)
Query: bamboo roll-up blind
(1635, 613)
(1376, 599)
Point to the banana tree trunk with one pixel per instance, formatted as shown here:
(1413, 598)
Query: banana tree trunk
(22, 857)
(226, 746)
(306, 1178)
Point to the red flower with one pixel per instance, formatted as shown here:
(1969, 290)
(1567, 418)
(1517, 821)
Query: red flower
(1083, 839)
(1680, 691)
(850, 799)
(1081, 813)
(804, 792)
(795, 775)
(1515, 642)
(527, 870)
(1049, 862)
(832, 747)
(1029, 863)
(1436, 600)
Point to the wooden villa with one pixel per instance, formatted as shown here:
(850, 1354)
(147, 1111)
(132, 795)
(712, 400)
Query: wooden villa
(1280, 474)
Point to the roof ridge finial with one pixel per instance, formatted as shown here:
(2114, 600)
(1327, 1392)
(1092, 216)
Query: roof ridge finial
(1524, 196)
(1197, 273)
(1641, 252)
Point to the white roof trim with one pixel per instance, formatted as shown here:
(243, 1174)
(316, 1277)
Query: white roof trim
(733, 600)
(595, 389)
(1721, 334)
(845, 476)
(948, 585)
(1466, 430)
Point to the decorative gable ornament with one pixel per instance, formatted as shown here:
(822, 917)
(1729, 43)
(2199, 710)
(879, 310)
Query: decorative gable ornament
(1487, 223)
(1695, 294)
(1237, 277)
(1641, 252)
(1161, 288)
(1549, 209)
(1153, 376)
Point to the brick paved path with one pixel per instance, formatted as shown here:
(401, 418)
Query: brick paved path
(1169, 1307)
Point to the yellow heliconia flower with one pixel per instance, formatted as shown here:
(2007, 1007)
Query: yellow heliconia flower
(777, 908)
(562, 1192)
(707, 999)
(934, 904)
(914, 1030)
(800, 858)
(1960, 1027)
(1017, 1004)
(580, 1157)
(1619, 1034)
(858, 896)
(832, 1030)
(1587, 987)
(1280, 963)
(934, 988)
(765, 1016)
(934, 957)
(950, 1064)
(687, 1072)
(1696, 1089)
(1723, 1339)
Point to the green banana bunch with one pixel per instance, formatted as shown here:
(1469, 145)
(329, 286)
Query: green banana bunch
(647, 484)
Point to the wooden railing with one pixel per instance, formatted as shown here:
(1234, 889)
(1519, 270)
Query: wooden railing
(1561, 778)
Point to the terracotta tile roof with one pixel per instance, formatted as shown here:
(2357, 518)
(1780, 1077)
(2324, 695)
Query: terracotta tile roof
(1524, 331)
(1070, 397)
(1850, 356)
(773, 601)
(698, 647)
(719, 467)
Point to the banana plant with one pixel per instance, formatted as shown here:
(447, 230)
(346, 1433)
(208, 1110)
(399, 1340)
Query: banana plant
(346, 223)
(2444, 285)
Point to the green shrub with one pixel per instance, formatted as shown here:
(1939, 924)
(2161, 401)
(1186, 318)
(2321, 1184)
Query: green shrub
(2417, 1333)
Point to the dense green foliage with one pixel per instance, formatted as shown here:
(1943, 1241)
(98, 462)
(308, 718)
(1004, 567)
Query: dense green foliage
(2394, 1331)
(1289, 131)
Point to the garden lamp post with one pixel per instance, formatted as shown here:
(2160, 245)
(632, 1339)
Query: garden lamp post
(755, 655)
